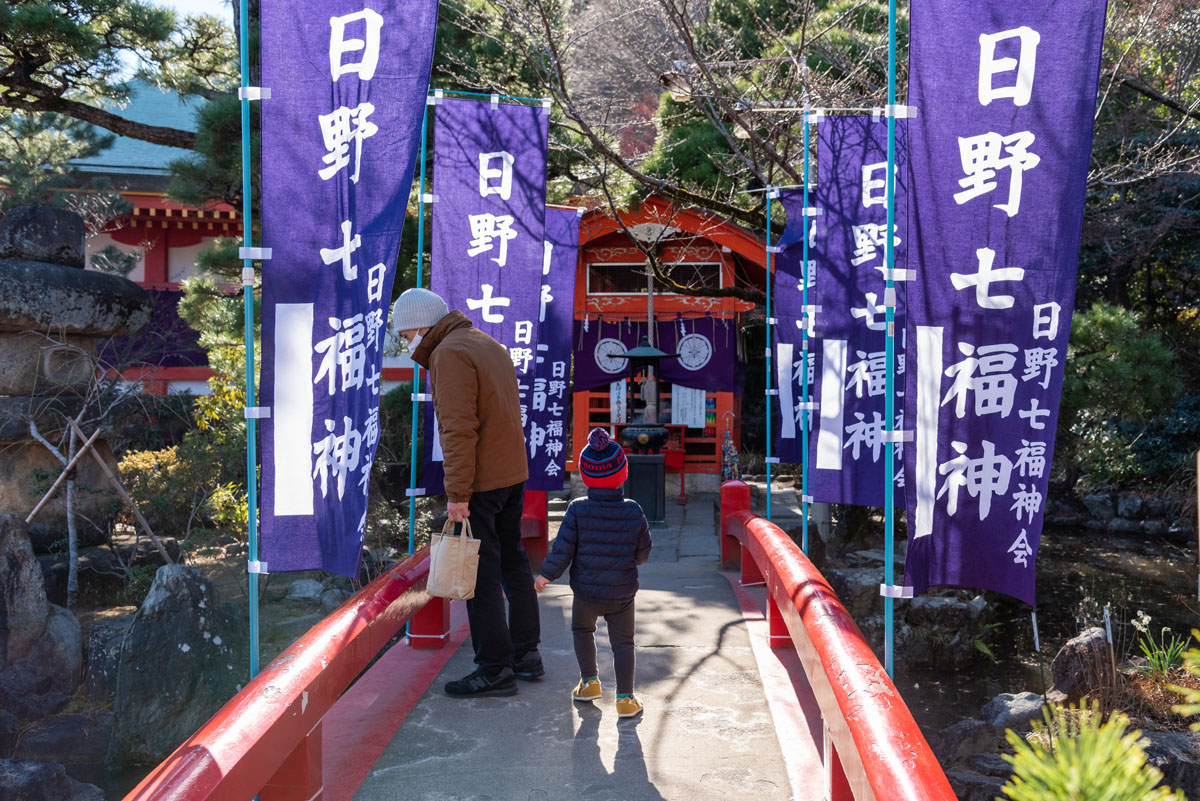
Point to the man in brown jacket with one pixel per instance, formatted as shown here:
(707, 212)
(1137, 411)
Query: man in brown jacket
(476, 400)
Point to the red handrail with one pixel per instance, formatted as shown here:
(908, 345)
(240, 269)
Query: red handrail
(241, 749)
(882, 751)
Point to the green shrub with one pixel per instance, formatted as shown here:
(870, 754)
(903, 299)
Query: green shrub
(1190, 695)
(203, 479)
(1117, 377)
(1162, 655)
(1084, 758)
(1165, 446)
(155, 481)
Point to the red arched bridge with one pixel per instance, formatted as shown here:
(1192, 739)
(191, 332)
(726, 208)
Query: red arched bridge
(757, 685)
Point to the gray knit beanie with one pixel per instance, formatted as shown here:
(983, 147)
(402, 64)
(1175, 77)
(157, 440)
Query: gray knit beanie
(418, 308)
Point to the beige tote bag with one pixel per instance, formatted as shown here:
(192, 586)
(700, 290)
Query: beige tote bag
(453, 563)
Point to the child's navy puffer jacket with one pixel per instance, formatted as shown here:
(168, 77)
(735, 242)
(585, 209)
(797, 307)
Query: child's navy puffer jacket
(603, 537)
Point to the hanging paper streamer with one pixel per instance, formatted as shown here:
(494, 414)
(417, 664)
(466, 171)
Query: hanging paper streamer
(489, 178)
(546, 434)
(1006, 94)
(791, 326)
(339, 140)
(846, 447)
(707, 353)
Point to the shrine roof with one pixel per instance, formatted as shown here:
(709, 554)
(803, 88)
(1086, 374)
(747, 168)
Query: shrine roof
(128, 156)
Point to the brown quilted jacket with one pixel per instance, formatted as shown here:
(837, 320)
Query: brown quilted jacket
(475, 397)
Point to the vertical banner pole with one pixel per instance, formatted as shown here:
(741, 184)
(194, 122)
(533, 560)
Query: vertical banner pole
(248, 323)
(806, 416)
(770, 347)
(416, 387)
(889, 462)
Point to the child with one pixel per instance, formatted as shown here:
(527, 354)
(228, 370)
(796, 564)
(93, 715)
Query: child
(603, 537)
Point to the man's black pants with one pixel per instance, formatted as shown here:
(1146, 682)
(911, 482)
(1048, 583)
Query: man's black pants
(500, 639)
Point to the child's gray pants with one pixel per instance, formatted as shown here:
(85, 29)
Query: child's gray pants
(619, 617)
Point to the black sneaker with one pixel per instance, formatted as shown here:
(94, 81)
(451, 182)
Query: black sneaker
(529, 667)
(480, 685)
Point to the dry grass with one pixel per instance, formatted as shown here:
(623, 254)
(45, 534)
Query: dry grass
(1147, 699)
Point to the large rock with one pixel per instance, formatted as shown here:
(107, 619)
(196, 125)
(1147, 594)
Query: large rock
(940, 613)
(48, 412)
(182, 658)
(1082, 665)
(79, 742)
(305, 590)
(103, 651)
(35, 364)
(1182, 532)
(971, 786)
(59, 651)
(1119, 525)
(49, 298)
(1013, 711)
(1099, 506)
(23, 607)
(10, 731)
(24, 477)
(1177, 755)
(1155, 528)
(42, 682)
(43, 233)
(333, 598)
(943, 632)
(27, 692)
(990, 764)
(857, 588)
(1129, 506)
(25, 780)
(102, 569)
(965, 738)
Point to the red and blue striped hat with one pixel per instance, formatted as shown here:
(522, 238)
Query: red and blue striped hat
(602, 463)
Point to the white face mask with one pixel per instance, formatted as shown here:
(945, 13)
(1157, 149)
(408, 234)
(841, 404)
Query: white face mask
(412, 343)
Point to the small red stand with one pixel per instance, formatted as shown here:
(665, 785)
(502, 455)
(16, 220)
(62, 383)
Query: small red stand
(430, 627)
(535, 528)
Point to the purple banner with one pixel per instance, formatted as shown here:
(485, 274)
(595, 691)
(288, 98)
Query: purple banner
(999, 156)
(790, 344)
(845, 447)
(707, 348)
(547, 435)
(489, 181)
(339, 140)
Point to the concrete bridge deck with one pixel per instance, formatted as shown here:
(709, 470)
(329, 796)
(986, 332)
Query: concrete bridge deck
(722, 719)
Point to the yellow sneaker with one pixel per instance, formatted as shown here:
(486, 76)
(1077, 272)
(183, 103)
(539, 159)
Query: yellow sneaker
(586, 691)
(629, 707)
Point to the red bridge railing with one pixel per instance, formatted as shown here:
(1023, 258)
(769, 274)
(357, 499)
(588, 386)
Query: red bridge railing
(874, 750)
(266, 740)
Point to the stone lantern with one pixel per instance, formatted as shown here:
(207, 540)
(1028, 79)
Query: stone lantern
(644, 435)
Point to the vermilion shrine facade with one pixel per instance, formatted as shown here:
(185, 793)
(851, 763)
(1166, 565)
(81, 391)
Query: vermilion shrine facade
(611, 291)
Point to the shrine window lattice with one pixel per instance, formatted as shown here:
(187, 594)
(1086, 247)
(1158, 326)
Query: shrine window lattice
(629, 278)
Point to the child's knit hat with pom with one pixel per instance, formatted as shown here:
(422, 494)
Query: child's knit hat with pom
(602, 463)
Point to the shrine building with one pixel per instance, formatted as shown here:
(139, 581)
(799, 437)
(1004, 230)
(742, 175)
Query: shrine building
(700, 390)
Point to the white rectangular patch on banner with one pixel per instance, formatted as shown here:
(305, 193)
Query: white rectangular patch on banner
(293, 409)
(929, 391)
(833, 408)
(787, 417)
